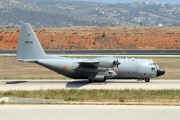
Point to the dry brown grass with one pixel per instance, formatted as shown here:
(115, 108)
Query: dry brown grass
(12, 69)
(171, 65)
(151, 97)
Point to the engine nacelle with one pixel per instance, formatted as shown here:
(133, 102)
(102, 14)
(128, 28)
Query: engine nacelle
(106, 64)
(110, 74)
(96, 78)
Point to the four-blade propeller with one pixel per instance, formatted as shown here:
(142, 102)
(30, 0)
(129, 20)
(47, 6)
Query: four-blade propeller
(116, 62)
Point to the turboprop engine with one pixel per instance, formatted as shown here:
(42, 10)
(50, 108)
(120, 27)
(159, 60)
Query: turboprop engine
(107, 63)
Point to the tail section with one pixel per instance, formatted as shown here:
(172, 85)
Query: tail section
(29, 47)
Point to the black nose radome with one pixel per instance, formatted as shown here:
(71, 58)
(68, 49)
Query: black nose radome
(160, 72)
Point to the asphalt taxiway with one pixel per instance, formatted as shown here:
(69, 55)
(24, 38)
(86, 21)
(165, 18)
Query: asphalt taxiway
(104, 52)
(88, 112)
(6, 85)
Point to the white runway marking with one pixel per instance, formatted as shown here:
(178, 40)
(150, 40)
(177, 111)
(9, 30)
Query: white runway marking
(79, 84)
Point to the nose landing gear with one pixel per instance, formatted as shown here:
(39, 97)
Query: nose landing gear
(147, 79)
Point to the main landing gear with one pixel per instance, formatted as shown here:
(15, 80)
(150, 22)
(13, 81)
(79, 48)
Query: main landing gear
(147, 79)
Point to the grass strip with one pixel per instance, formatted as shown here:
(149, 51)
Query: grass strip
(100, 95)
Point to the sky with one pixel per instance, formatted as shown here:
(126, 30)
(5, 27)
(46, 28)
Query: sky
(132, 1)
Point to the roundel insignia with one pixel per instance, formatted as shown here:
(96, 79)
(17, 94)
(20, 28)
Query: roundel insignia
(65, 67)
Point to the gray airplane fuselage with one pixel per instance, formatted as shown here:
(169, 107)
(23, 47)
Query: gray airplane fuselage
(128, 68)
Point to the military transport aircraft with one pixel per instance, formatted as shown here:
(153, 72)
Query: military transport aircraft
(95, 70)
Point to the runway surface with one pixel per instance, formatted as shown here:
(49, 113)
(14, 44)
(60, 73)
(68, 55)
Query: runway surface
(84, 84)
(104, 52)
(88, 112)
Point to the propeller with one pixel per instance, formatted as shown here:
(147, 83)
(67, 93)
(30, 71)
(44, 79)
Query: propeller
(116, 62)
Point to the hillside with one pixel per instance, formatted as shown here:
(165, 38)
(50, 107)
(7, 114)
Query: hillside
(83, 38)
(63, 13)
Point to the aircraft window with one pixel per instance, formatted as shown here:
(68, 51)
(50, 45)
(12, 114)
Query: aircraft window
(153, 68)
(156, 65)
(152, 64)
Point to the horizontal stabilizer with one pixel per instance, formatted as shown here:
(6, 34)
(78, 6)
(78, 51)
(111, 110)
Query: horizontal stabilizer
(27, 60)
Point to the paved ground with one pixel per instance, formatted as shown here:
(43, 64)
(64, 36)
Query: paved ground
(104, 52)
(88, 112)
(79, 84)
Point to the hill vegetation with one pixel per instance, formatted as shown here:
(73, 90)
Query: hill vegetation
(61, 13)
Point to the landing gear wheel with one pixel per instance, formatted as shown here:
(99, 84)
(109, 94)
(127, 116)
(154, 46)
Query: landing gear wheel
(147, 79)
(104, 79)
(90, 81)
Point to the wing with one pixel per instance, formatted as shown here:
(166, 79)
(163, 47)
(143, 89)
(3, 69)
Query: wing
(104, 62)
(89, 63)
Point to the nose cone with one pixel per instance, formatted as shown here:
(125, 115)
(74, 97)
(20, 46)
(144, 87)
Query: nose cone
(160, 72)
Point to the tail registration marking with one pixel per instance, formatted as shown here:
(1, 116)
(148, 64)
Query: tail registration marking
(28, 42)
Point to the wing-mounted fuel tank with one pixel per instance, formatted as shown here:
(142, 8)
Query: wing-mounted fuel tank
(101, 76)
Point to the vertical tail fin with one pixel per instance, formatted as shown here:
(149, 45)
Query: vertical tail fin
(29, 47)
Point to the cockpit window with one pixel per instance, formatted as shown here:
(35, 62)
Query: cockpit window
(151, 64)
(153, 68)
(156, 65)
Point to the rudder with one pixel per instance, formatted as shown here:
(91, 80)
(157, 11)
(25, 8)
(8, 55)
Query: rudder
(29, 47)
